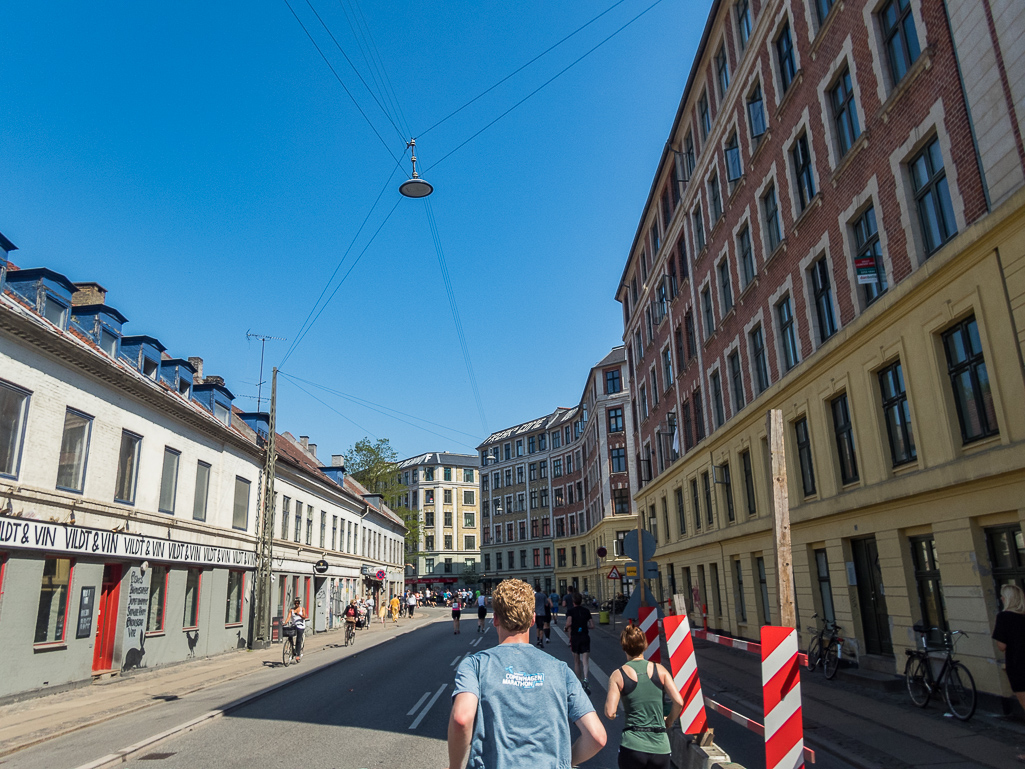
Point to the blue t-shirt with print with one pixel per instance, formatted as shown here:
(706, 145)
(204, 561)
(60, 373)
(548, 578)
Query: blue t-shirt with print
(526, 700)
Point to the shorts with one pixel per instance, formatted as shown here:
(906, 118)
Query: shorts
(482, 612)
(455, 614)
(548, 619)
(638, 759)
(580, 644)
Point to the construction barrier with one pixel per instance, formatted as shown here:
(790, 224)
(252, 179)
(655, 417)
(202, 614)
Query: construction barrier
(781, 699)
(647, 619)
(684, 667)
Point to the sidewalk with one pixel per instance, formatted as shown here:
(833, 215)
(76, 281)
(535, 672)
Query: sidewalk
(42, 718)
(863, 726)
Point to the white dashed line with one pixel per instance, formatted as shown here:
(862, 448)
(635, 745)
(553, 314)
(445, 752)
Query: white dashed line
(419, 702)
(427, 708)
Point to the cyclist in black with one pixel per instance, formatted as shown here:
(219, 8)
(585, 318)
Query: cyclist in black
(297, 618)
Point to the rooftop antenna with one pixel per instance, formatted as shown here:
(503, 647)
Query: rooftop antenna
(415, 187)
(263, 344)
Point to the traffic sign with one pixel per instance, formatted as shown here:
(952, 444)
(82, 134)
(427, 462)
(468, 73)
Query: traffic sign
(650, 569)
(614, 573)
(630, 544)
(602, 552)
(380, 574)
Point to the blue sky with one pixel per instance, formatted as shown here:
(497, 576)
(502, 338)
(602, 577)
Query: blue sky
(201, 161)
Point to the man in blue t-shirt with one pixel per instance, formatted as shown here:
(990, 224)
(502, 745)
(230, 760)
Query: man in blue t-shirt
(512, 705)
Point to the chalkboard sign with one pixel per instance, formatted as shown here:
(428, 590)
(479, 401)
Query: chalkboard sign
(85, 612)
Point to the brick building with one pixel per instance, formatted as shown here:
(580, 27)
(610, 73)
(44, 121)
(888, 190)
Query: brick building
(835, 230)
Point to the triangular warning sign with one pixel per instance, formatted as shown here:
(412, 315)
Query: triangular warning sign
(614, 573)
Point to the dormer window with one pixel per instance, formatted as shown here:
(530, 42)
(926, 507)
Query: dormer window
(108, 343)
(150, 368)
(222, 413)
(54, 311)
(184, 387)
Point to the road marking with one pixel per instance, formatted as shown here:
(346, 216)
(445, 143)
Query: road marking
(430, 704)
(452, 664)
(596, 673)
(419, 702)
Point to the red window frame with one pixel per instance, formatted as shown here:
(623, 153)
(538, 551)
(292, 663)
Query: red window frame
(163, 613)
(241, 599)
(67, 604)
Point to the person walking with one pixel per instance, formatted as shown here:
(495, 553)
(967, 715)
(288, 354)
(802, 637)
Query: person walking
(1009, 634)
(457, 609)
(411, 604)
(512, 705)
(395, 603)
(482, 612)
(579, 625)
(641, 686)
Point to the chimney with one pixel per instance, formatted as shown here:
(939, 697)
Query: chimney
(217, 380)
(88, 293)
(304, 441)
(313, 449)
(197, 364)
(337, 460)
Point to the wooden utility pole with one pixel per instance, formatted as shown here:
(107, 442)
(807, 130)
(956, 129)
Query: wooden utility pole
(265, 541)
(781, 520)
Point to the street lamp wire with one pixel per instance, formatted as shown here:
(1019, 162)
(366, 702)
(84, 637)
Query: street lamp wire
(519, 69)
(543, 85)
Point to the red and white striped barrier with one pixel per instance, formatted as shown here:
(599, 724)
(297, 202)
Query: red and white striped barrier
(684, 667)
(647, 618)
(781, 698)
(735, 643)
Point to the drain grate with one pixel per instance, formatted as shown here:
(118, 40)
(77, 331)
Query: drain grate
(155, 756)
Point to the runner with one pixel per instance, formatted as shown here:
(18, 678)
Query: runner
(542, 610)
(555, 605)
(456, 611)
(579, 625)
(482, 612)
(411, 604)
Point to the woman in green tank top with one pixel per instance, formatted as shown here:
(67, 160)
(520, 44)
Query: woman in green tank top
(642, 687)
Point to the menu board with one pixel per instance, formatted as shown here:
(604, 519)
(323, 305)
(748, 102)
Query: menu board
(85, 612)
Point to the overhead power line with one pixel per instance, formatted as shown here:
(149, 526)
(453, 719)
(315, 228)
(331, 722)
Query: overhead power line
(544, 84)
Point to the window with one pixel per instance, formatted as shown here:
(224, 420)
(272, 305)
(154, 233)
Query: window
(722, 71)
(763, 586)
(743, 8)
(844, 431)
(429, 496)
(616, 420)
(190, 618)
(704, 116)
(233, 602)
(487, 561)
(749, 482)
(644, 404)
(447, 566)
(298, 520)
(689, 158)
(756, 112)
(468, 474)
(757, 339)
(448, 541)
(620, 501)
(448, 519)
(468, 497)
(556, 439)
(240, 511)
(717, 404)
(825, 588)
(688, 329)
(736, 380)
(429, 542)
(932, 197)
(738, 572)
(770, 210)
(1006, 556)
(54, 597)
(429, 518)
(802, 171)
(728, 492)
(725, 286)
(901, 37)
(537, 557)
(532, 471)
(74, 449)
(542, 468)
(804, 456)
(560, 557)
(699, 415)
(54, 311)
(323, 528)
(546, 529)
(542, 442)
(930, 589)
(169, 481)
(733, 166)
(334, 532)
(868, 259)
(699, 229)
(785, 52)
(707, 489)
(747, 263)
(127, 466)
(309, 519)
(556, 468)
(13, 410)
(469, 542)
(696, 504)
(202, 493)
(573, 556)
(534, 528)
(446, 496)
(845, 116)
(618, 460)
(897, 415)
(969, 381)
(706, 309)
(157, 607)
(823, 293)
(612, 382)
(787, 332)
(655, 240)
(498, 561)
(667, 368)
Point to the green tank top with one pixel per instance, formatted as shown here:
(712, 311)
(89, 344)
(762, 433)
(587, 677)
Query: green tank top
(643, 705)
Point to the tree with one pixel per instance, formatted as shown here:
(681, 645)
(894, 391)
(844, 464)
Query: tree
(375, 466)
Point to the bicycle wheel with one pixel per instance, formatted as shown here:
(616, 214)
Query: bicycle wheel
(286, 652)
(959, 691)
(916, 675)
(831, 660)
(814, 654)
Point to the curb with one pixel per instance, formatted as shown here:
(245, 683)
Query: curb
(122, 756)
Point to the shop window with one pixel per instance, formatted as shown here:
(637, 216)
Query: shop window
(54, 596)
(157, 599)
(233, 602)
(190, 617)
(74, 450)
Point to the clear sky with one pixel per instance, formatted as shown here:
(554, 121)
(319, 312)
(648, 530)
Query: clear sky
(201, 162)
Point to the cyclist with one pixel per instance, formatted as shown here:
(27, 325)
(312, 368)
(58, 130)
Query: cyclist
(297, 618)
(351, 614)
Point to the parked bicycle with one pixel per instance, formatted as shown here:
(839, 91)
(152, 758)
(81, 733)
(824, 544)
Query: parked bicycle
(289, 651)
(826, 648)
(957, 683)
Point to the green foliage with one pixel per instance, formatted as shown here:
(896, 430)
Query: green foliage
(375, 466)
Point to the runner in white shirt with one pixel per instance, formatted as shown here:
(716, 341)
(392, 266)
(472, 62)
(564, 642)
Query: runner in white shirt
(482, 612)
